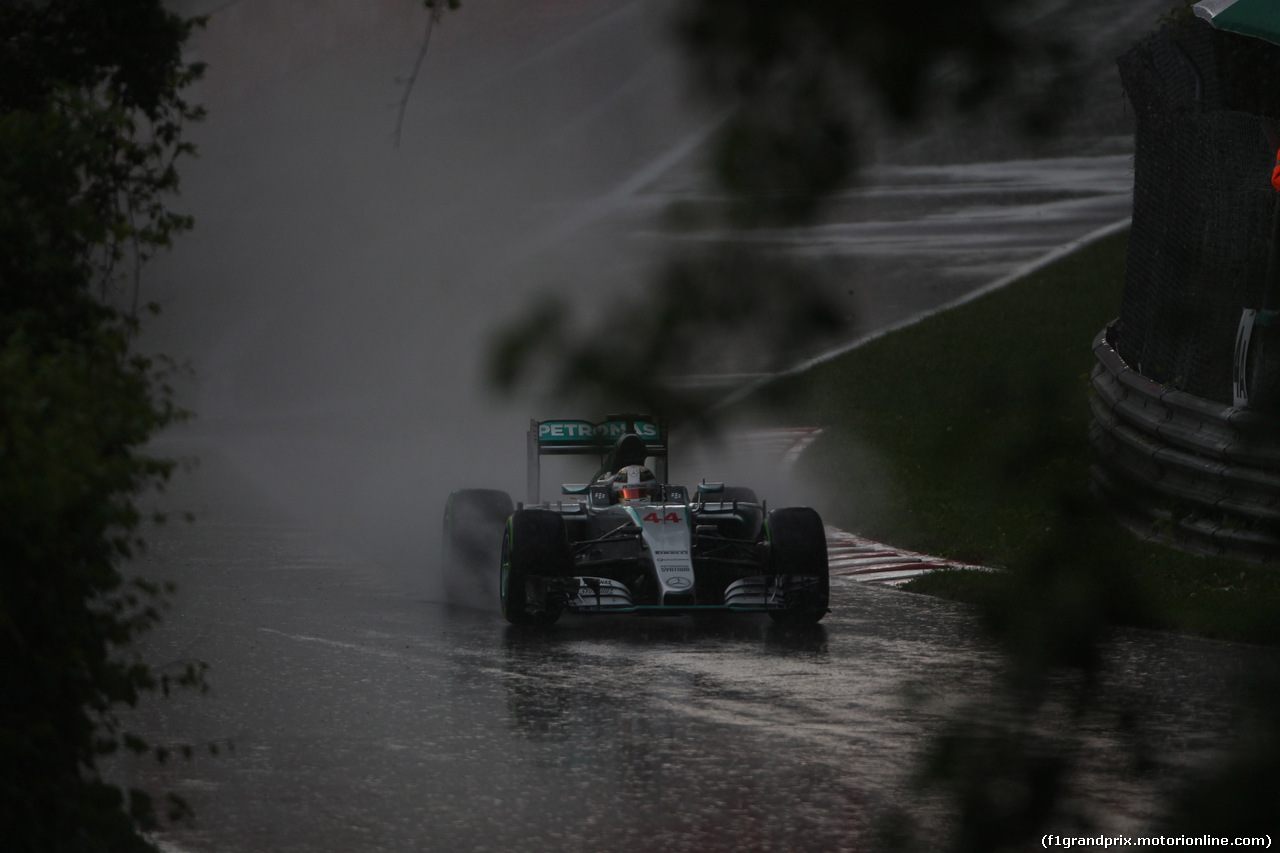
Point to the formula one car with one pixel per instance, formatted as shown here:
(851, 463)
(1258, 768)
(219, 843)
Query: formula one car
(628, 541)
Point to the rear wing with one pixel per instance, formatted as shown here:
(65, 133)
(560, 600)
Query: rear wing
(584, 438)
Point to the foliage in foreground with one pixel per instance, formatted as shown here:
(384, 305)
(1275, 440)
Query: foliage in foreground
(91, 122)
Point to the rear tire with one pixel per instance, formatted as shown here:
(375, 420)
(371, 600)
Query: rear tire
(534, 546)
(798, 552)
(474, 521)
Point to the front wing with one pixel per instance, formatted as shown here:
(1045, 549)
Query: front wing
(592, 595)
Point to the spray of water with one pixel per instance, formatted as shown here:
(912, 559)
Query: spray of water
(338, 294)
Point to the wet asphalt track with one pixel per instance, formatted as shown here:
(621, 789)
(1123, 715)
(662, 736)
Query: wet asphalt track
(355, 713)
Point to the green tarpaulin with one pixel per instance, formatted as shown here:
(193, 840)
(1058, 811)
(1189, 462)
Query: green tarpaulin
(1258, 18)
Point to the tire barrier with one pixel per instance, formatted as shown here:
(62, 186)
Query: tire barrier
(1204, 210)
(1181, 469)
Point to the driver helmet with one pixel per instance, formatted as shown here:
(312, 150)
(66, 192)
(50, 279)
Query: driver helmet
(635, 483)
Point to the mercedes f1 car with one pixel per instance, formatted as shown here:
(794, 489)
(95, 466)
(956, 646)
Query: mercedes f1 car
(628, 541)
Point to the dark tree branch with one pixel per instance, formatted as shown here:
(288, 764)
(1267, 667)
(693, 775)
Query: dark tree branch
(435, 11)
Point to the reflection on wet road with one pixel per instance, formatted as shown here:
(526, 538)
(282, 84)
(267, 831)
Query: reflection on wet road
(355, 713)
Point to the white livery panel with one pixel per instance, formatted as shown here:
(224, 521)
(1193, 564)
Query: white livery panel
(667, 534)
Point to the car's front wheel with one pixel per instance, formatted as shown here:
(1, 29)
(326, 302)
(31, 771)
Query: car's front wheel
(798, 553)
(535, 550)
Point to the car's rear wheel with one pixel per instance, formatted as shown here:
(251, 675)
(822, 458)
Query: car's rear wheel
(535, 551)
(474, 521)
(798, 553)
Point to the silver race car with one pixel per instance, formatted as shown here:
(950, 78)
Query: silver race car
(628, 541)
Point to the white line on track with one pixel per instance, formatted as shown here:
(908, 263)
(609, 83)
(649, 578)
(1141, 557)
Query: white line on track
(1000, 283)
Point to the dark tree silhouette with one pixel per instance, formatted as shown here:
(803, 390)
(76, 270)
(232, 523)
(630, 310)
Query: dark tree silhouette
(91, 119)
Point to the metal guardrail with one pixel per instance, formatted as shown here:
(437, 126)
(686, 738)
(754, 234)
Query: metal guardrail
(1182, 469)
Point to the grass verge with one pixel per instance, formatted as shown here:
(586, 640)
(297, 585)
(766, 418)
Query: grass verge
(966, 436)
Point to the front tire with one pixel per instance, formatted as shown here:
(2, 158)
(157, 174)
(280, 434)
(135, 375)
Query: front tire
(535, 548)
(798, 553)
